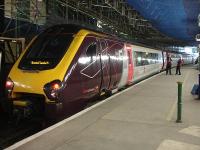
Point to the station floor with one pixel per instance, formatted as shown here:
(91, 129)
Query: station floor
(142, 117)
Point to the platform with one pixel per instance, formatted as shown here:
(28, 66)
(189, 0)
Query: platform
(142, 117)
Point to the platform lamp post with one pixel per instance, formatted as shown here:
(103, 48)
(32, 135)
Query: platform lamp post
(179, 103)
(198, 57)
(198, 39)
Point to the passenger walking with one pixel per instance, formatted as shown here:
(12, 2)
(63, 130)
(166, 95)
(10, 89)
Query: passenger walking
(178, 66)
(169, 65)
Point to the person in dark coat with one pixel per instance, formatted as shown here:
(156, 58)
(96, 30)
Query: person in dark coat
(178, 66)
(169, 65)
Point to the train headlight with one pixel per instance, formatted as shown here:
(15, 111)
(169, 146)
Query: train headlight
(9, 86)
(51, 89)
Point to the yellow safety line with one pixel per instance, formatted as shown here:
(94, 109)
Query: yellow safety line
(171, 112)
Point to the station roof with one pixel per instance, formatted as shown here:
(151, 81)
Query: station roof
(175, 18)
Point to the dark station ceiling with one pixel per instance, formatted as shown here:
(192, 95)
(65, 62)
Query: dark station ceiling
(174, 18)
(119, 17)
(157, 23)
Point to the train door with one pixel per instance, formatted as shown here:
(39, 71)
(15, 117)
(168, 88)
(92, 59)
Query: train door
(90, 69)
(130, 63)
(124, 77)
(163, 61)
(105, 65)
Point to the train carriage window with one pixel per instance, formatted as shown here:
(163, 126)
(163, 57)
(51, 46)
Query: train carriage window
(92, 50)
(155, 58)
(143, 56)
(151, 58)
(138, 56)
(157, 61)
(147, 58)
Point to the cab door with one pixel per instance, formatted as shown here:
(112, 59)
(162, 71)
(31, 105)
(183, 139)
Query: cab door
(90, 69)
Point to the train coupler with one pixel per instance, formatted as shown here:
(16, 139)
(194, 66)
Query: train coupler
(22, 109)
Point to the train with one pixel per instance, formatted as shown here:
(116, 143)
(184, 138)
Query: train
(68, 63)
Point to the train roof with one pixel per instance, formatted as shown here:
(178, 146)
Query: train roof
(75, 28)
(70, 28)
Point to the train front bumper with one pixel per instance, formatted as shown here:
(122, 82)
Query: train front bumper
(48, 110)
(53, 109)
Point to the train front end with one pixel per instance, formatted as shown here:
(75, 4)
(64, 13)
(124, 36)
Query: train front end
(37, 78)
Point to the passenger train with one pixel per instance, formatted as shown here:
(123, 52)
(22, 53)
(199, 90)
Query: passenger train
(68, 63)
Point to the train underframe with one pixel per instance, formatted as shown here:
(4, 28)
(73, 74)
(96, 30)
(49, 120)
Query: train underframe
(28, 106)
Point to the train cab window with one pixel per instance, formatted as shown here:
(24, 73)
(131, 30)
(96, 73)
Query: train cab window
(91, 50)
(47, 50)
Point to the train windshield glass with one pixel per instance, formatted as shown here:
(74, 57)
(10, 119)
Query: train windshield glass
(47, 50)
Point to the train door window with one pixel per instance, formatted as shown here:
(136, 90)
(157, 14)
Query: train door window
(91, 50)
(103, 45)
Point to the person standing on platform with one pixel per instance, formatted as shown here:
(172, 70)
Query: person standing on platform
(178, 66)
(169, 65)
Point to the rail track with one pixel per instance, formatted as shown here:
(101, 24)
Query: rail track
(12, 131)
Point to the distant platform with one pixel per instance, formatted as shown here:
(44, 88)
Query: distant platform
(142, 117)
